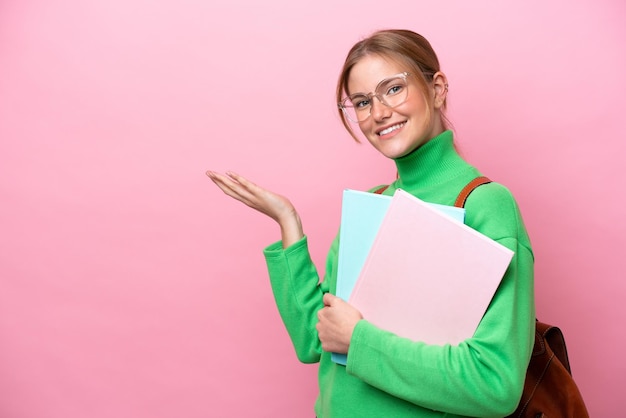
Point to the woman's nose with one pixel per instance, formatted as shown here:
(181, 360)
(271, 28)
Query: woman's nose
(379, 110)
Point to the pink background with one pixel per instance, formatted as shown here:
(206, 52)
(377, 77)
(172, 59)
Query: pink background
(131, 287)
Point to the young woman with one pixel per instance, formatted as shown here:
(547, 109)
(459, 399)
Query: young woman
(392, 88)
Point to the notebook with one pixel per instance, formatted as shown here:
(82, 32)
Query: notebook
(361, 216)
(427, 277)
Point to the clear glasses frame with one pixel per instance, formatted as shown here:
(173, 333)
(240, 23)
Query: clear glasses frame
(358, 107)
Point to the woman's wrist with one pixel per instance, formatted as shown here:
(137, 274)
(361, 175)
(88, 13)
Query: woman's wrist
(291, 229)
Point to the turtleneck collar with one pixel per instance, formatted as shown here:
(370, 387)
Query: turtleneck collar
(430, 164)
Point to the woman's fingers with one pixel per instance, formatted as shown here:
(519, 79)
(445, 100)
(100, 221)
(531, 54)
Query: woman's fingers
(277, 207)
(249, 193)
(246, 187)
(224, 183)
(230, 187)
(235, 183)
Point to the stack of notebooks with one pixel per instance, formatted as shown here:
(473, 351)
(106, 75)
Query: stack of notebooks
(414, 268)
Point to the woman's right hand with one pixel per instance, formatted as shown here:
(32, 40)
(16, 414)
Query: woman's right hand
(271, 204)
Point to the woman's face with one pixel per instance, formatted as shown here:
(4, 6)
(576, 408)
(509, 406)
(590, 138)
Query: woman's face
(395, 132)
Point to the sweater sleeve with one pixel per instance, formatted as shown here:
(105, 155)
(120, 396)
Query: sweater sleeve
(298, 294)
(483, 375)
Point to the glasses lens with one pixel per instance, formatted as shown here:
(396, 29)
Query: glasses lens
(393, 91)
(357, 107)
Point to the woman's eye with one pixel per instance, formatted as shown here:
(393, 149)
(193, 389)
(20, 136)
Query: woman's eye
(394, 90)
(361, 103)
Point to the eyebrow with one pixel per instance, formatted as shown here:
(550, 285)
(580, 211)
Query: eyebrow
(398, 75)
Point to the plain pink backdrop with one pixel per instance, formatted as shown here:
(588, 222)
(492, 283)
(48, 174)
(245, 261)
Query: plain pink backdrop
(131, 287)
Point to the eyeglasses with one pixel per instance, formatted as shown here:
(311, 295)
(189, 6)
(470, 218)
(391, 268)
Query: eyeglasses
(392, 92)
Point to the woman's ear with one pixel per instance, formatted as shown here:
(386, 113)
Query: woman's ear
(440, 86)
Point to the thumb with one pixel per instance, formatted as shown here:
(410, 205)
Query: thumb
(329, 299)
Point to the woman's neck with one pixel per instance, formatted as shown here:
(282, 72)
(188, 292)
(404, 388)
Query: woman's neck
(429, 164)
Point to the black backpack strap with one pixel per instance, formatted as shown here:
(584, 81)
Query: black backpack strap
(469, 188)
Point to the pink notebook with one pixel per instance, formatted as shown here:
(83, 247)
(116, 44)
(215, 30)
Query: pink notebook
(428, 277)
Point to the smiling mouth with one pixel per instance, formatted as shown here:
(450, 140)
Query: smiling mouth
(390, 129)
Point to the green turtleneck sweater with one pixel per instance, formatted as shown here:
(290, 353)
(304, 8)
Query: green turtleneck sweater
(390, 376)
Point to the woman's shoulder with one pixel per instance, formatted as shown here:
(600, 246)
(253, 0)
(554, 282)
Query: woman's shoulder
(492, 195)
(493, 210)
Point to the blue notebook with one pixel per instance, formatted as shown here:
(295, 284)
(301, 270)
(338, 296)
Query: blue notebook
(361, 216)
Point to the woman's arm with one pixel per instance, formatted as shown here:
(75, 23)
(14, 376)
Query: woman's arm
(335, 318)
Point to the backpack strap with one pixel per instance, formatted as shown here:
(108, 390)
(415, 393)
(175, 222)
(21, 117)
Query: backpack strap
(469, 188)
(381, 189)
(460, 200)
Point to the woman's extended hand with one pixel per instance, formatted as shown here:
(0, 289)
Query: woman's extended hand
(271, 204)
(337, 320)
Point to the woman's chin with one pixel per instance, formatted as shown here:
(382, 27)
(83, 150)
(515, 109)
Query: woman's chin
(394, 152)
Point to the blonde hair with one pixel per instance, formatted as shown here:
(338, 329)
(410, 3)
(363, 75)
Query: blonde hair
(404, 47)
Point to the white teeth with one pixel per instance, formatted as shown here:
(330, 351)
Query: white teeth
(391, 129)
